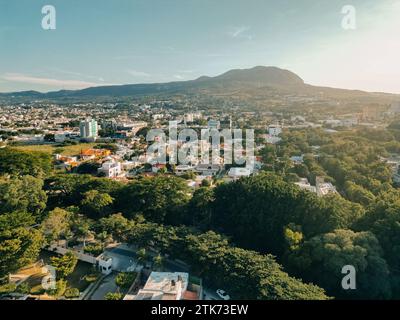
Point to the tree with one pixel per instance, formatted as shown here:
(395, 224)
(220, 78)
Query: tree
(158, 262)
(159, 199)
(199, 207)
(65, 264)
(96, 204)
(18, 247)
(116, 225)
(255, 211)
(141, 255)
(22, 194)
(15, 162)
(56, 224)
(327, 254)
(87, 168)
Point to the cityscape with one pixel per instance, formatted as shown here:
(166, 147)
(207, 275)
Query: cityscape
(245, 183)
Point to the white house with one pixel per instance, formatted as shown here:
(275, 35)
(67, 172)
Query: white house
(164, 286)
(111, 169)
(236, 172)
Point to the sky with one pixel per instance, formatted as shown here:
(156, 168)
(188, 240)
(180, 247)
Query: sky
(102, 42)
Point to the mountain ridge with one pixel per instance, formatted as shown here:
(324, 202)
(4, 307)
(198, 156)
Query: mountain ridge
(256, 78)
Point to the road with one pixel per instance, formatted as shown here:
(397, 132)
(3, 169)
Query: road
(106, 286)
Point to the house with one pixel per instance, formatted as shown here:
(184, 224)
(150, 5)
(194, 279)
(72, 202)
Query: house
(89, 154)
(297, 159)
(236, 172)
(214, 124)
(305, 185)
(110, 169)
(182, 169)
(168, 286)
(323, 188)
(208, 169)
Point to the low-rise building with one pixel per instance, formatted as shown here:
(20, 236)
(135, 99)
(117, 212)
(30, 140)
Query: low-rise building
(167, 286)
(111, 169)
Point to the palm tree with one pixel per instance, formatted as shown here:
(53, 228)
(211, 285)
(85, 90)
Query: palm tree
(158, 261)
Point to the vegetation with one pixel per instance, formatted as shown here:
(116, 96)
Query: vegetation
(260, 237)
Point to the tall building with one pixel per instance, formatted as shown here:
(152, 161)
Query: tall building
(88, 129)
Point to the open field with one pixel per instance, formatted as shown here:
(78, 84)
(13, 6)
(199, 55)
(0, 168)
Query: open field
(70, 150)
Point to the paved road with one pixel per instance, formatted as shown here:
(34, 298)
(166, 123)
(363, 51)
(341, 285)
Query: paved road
(122, 259)
(107, 285)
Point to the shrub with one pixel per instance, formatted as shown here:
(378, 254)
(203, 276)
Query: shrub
(125, 279)
(113, 296)
(91, 277)
(24, 288)
(94, 249)
(37, 290)
(7, 288)
(72, 293)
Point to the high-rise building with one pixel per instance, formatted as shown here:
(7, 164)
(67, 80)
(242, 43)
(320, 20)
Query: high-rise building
(88, 129)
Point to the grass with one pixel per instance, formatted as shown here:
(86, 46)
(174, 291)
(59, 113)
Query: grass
(78, 278)
(70, 150)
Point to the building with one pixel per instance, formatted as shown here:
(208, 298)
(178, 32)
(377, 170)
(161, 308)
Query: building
(182, 169)
(237, 172)
(88, 129)
(323, 188)
(214, 124)
(305, 185)
(169, 286)
(274, 130)
(208, 169)
(90, 154)
(110, 169)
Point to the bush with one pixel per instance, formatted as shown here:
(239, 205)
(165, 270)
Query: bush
(125, 279)
(24, 288)
(37, 290)
(61, 286)
(94, 249)
(113, 296)
(72, 293)
(7, 288)
(91, 277)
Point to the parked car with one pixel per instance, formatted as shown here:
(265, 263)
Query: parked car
(223, 295)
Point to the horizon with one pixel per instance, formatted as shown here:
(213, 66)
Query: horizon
(128, 42)
(175, 81)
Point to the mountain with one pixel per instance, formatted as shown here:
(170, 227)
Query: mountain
(258, 81)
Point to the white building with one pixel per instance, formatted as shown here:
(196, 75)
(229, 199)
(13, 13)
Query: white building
(305, 185)
(236, 172)
(274, 130)
(111, 169)
(214, 124)
(323, 188)
(88, 129)
(164, 286)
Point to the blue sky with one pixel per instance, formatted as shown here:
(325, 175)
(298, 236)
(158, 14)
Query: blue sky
(135, 41)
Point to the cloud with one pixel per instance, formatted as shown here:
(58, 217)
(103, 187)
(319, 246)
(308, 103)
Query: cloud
(67, 84)
(179, 77)
(240, 32)
(136, 73)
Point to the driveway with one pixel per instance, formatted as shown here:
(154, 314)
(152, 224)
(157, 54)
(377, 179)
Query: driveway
(122, 259)
(106, 286)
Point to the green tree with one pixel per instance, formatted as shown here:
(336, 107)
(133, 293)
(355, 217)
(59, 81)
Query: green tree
(65, 264)
(327, 254)
(96, 204)
(22, 194)
(56, 224)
